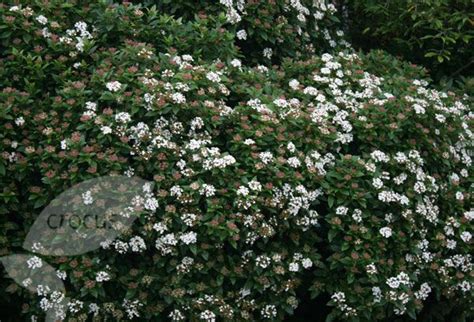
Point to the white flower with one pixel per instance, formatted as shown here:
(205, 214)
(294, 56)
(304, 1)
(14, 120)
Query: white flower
(34, 262)
(266, 157)
(280, 102)
(371, 269)
(419, 187)
(377, 183)
(123, 117)
(80, 45)
(20, 121)
(294, 267)
(241, 34)
(106, 129)
(465, 286)
(61, 275)
(393, 282)
(249, 142)
(102, 277)
(424, 291)
(42, 19)
(91, 106)
(178, 98)
(377, 293)
(75, 306)
(213, 77)
(242, 191)
(87, 198)
(418, 109)
(469, 215)
(255, 185)
(262, 69)
(379, 156)
(94, 308)
(269, 312)
(403, 278)
(307, 263)
(207, 316)
(466, 236)
(131, 307)
(176, 315)
(151, 203)
(294, 162)
(170, 239)
(321, 98)
(187, 58)
(188, 238)
(400, 179)
(263, 261)
(291, 147)
(207, 190)
(236, 63)
(294, 84)
(160, 227)
(176, 191)
(341, 210)
(338, 297)
(27, 282)
(357, 215)
(325, 71)
(137, 244)
(326, 57)
(268, 53)
(114, 86)
(385, 232)
(440, 118)
(121, 247)
(310, 90)
(451, 244)
(188, 219)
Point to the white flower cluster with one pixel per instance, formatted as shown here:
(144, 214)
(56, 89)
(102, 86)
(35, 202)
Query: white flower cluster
(214, 159)
(131, 307)
(77, 36)
(102, 276)
(34, 262)
(397, 281)
(114, 86)
(165, 243)
(56, 303)
(296, 199)
(339, 299)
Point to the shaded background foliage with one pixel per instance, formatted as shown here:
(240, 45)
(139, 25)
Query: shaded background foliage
(437, 34)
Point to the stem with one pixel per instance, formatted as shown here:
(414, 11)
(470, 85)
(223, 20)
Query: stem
(462, 68)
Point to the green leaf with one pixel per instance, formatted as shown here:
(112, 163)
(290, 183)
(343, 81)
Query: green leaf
(330, 201)
(331, 235)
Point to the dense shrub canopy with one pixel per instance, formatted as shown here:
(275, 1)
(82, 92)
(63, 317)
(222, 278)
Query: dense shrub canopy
(436, 33)
(267, 31)
(334, 173)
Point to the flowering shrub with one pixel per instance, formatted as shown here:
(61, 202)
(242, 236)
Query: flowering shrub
(315, 174)
(268, 30)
